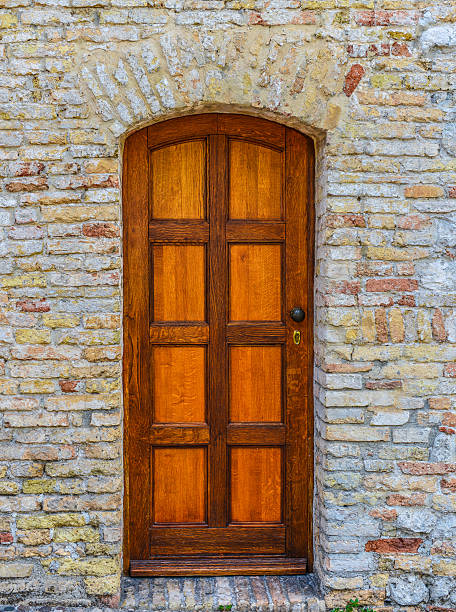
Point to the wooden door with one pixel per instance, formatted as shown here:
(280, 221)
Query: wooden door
(218, 249)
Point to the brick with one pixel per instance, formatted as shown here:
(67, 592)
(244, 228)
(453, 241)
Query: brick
(418, 499)
(423, 191)
(418, 467)
(394, 545)
(391, 284)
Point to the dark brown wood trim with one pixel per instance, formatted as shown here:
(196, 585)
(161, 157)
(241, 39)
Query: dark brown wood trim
(217, 371)
(224, 566)
(252, 128)
(135, 337)
(179, 334)
(257, 434)
(179, 231)
(181, 128)
(165, 435)
(261, 333)
(236, 540)
(299, 181)
(238, 231)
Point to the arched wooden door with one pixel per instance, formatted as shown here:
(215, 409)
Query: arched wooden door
(218, 249)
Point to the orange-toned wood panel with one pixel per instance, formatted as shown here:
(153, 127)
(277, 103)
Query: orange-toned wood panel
(179, 282)
(178, 181)
(178, 374)
(255, 181)
(256, 485)
(255, 282)
(180, 482)
(255, 384)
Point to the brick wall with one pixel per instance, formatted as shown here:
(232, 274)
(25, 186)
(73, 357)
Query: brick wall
(373, 83)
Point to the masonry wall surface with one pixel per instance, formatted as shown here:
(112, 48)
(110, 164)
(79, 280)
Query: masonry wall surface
(373, 83)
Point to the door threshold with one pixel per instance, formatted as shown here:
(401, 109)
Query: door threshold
(220, 566)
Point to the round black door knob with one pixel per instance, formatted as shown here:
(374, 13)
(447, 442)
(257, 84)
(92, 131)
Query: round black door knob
(297, 314)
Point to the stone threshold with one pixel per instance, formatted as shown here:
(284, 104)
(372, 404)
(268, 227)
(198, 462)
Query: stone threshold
(230, 593)
(235, 593)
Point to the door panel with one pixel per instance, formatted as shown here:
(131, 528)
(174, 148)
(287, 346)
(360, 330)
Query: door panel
(255, 282)
(178, 181)
(179, 382)
(178, 282)
(255, 181)
(179, 485)
(218, 218)
(256, 485)
(256, 384)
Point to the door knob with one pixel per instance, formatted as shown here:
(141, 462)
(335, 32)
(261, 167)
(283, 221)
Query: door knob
(297, 314)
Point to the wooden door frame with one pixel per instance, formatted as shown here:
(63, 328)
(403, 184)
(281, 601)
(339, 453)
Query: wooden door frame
(134, 222)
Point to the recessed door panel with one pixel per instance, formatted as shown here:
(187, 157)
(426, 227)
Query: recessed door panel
(179, 485)
(255, 282)
(218, 219)
(255, 384)
(179, 382)
(178, 181)
(179, 282)
(255, 181)
(256, 485)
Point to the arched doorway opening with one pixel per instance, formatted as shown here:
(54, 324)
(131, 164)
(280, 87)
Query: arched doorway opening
(218, 347)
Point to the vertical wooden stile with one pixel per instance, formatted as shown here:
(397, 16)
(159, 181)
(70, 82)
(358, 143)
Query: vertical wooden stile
(217, 369)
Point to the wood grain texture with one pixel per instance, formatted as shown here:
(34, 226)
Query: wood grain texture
(255, 231)
(225, 566)
(179, 387)
(179, 231)
(256, 485)
(178, 334)
(299, 182)
(178, 181)
(234, 540)
(255, 181)
(255, 384)
(255, 282)
(242, 333)
(179, 484)
(179, 282)
(256, 434)
(217, 357)
(136, 376)
(166, 435)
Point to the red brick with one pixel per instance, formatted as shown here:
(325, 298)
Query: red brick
(352, 79)
(346, 287)
(413, 222)
(448, 483)
(439, 403)
(405, 300)
(33, 305)
(420, 468)
(438, 326)
(401, 49)
(450, 370)
(384, 384)
(381, 325)
(386, 18)
(416, 499)
(394, 545)
(391, 284)
(5, 537)
(26, 168)
(351, 220)
(452, 192)
(447, 430)
(100, 230)
(37, 184)
(449, 419)
(385, 514)
(68, 386)
(381, 49)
